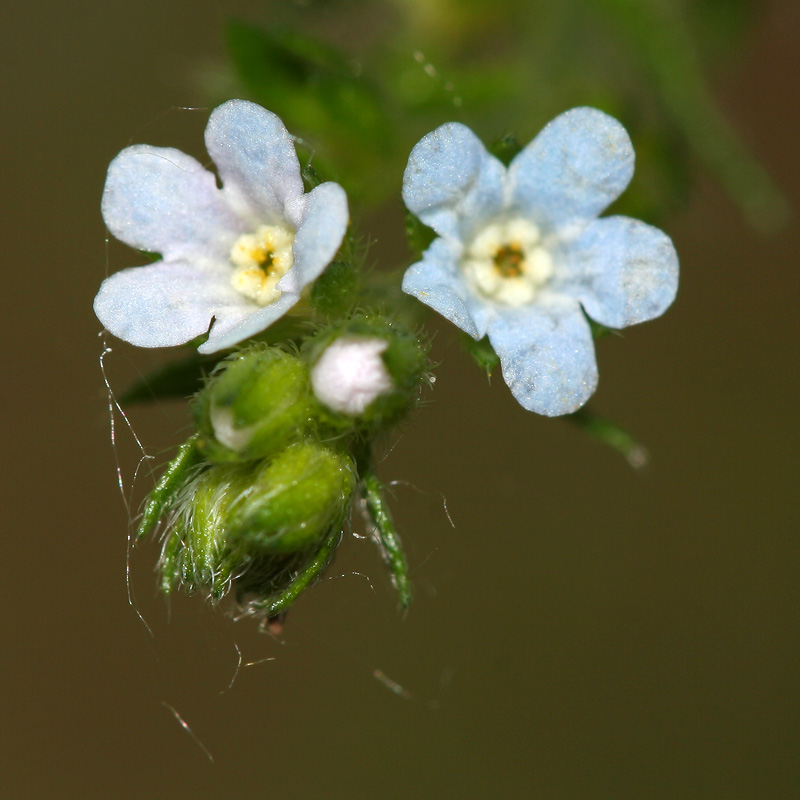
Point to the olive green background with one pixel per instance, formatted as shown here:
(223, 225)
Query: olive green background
(583, 631)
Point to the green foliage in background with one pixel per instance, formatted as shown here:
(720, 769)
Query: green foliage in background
(365, 80)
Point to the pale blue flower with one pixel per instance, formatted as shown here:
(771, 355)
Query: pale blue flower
(240, 254)
(521, 253)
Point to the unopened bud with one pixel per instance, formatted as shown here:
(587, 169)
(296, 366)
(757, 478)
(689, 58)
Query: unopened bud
(254, 407)
(294, 500)
(366, 373)
(350, 374)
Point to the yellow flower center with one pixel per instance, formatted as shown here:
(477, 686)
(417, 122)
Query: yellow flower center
(509, 260)
(261, 259)
(506, 262)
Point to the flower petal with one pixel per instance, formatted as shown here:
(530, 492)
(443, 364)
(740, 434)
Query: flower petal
(322, 217)
(436, 282)
(547, 355)
(161, 200)
(166, 303)
(234, 324)
(622, 270)
(256, 160)
(576, 166)
(451, 182)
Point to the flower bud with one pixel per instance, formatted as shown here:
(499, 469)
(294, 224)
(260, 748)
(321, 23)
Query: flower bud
(366, 373)
(350, 374)
(254, 407)
(294, 500)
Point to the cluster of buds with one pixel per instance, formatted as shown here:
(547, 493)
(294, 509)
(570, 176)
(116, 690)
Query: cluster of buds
(256, 499)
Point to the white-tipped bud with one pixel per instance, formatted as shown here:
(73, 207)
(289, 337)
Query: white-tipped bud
(350, 374)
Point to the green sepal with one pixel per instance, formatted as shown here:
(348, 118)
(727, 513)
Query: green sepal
(169, 565)
(599, 331)
(610, 434)
(419, 235)
(197, 555)
(175, 477)
(482, 352)
(388, 540)
(281, 583)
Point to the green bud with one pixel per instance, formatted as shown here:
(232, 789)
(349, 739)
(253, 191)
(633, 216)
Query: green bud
(253, 407)
(294, 501)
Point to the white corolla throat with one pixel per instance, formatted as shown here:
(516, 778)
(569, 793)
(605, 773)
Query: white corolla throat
(261, 259)
(507, 262)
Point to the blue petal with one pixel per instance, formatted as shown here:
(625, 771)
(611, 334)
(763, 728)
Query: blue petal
(577, 165)
(547, 355)
(161, 200)
(321, 219)
(451, 182)
(622, 271)
(436, 281)
(166, 304)
(256, 160)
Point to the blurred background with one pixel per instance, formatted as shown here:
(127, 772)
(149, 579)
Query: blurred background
(581, 630)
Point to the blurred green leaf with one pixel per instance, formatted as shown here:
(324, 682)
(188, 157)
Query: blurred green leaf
(611, 434)
(318, 93)
(505, 148)
(178, 379)
(660, 37)
(336, 290)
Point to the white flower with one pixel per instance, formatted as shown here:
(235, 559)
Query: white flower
(522, 255)
(350, 374)
(240, 254)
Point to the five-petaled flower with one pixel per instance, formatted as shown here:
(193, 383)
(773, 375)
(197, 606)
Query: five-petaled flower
(521, 254)
(239, 255)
